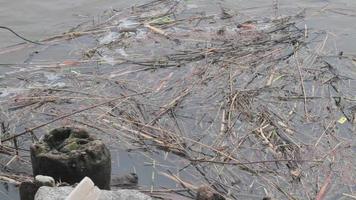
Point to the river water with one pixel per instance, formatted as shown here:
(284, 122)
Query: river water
(38, 19)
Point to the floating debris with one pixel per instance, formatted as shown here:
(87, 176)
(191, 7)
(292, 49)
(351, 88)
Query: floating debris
(249, 108)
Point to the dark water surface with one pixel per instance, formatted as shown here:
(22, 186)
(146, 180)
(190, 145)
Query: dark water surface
(38, 19)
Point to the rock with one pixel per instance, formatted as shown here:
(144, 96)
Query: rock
(207, 193)
(69, 154)
(60, 193)
(85, 190)
(125, 181)
(28, 189)
(44, 181)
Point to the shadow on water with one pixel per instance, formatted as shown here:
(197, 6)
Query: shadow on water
(150, 169)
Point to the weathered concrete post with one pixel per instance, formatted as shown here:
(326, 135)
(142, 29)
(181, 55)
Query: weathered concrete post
(69, 154)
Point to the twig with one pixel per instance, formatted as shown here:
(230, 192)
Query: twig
(157, 30)
(302, 85)
(325, 188)
(12, 31)
(253, 162)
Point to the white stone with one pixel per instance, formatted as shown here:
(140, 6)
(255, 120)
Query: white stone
(60, 193)
(85, 190)
(44, 180)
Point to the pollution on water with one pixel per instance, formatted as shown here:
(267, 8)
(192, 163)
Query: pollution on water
(194, 100)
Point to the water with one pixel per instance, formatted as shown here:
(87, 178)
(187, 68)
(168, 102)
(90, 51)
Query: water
(8, 191)
(40, 19)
